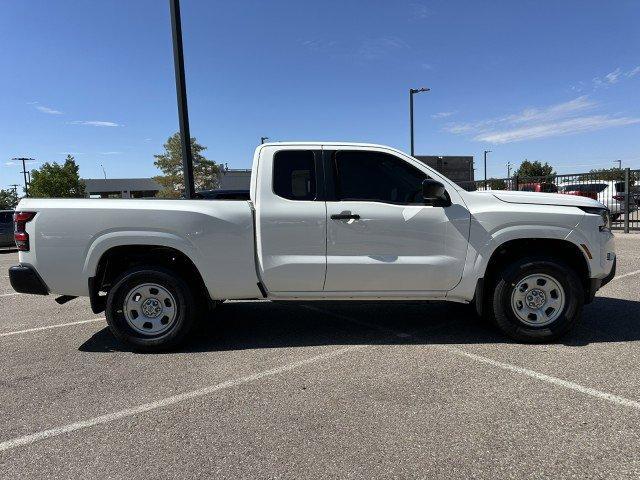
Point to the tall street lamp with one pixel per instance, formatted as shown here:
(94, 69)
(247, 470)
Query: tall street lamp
(263, 139)
(181, 91)
(485, 168)
(412, 92)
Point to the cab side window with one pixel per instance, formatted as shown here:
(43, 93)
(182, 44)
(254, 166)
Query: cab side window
(377, 177)
(294, 175)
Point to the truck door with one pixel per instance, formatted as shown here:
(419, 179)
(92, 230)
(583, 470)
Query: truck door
(381, 237)
(291, 219)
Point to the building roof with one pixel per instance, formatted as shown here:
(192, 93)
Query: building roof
(121, 184)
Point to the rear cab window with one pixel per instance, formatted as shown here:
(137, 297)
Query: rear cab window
(294, 175)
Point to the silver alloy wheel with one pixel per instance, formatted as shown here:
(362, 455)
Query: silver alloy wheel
(150, 309)
(538, 300)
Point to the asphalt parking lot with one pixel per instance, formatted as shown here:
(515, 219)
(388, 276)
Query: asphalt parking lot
(322, 390)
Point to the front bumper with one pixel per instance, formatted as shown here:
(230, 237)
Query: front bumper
(597, 283)
(25, 279)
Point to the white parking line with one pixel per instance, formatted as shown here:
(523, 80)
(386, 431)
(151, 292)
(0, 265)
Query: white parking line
(165, 402)
(9, 294)
(505, 366)
(618, 277)
(548, 378)
(49, 327)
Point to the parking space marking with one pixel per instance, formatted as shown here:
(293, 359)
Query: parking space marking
(626, 402)
(49, 327)
(618, 277)
(165, 402)
(10, 294)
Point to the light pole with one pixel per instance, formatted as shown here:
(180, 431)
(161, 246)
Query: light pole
(263, 139)
(412, 92)
(24, 173)
(619, 164)
(485, 168)
(181, 91)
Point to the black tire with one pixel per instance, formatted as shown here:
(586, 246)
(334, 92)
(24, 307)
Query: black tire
(185, 309)
(615, 217)
(504, 316)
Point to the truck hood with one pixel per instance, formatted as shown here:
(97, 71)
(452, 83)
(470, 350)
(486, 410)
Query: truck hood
(536, 198)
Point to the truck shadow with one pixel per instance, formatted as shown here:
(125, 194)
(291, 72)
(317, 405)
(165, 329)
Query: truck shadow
(252, 325)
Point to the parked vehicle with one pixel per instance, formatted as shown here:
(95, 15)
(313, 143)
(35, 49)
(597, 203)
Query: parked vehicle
(325, 221)
(607, 192)
(223, 194)
(546, 187)
(6, 228)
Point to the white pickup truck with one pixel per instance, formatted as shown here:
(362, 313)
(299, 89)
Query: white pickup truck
(325, 221)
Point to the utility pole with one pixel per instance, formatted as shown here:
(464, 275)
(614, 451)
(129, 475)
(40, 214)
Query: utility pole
(412, 92)
(104, 171)
(508, 169)
(24, 173)
(263, 139)
(181, 91)
(15, 188)
(485, 168)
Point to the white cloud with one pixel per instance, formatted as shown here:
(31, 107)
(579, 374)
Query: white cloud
(419, 11)
(533, 123)
(374, 48)
(319, 44)
(609, 79)
(442, 114)
(555, 129)
(554, 111)
(95, 123)
(633, 72)
(19, 162)
(50, 111)
(110, 153)
(365, 49)
(44, 108)
(612, 77)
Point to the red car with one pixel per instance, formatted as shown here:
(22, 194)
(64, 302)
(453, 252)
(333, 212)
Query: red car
(545, 187)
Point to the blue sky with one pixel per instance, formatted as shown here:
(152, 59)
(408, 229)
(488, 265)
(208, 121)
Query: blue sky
(543, 80)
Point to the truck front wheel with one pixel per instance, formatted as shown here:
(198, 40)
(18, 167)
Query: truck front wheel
(537, 300)
(150, 309)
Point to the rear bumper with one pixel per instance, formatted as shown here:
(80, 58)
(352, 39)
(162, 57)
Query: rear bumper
(25, 279)
(597, 283)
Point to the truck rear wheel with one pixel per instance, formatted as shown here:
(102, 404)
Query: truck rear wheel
(150, 309)
(537, 300)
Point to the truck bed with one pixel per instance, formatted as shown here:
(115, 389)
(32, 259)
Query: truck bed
(69, 236)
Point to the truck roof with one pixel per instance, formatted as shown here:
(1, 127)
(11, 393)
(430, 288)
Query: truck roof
(351, 144)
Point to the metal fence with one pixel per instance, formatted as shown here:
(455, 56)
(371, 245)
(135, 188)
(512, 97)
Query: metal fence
(620, 192)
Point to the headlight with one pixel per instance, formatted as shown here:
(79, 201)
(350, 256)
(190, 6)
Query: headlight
(604, 214)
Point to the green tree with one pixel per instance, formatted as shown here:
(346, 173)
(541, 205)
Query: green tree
(53, 180)
(613, 174)
(8, 199)
(206, 173)
(497, 184)
(534, 169)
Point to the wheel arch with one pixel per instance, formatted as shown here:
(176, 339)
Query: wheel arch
(561, 249)
(119, 258)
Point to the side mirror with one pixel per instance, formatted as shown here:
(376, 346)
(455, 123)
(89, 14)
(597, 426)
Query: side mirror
(434, 193)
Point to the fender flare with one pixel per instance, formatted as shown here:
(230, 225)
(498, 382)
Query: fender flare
(106, 241)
